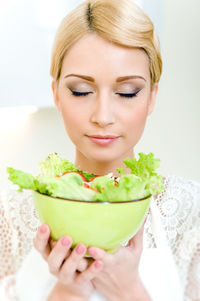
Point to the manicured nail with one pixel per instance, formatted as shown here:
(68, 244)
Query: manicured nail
(65, 241)
(145, 220)
(54, 244)
(92, 252)
(80, 249)
(43, 228)
(98, 264)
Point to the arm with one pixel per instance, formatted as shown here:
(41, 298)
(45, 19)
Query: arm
(193, 277)
(139, 293)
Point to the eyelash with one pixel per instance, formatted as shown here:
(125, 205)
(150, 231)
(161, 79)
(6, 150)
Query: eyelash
(129, 95)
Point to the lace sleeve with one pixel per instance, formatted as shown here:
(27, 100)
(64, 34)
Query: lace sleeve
(192, 241)
(179, 206)
(18, 225)
(193, 277)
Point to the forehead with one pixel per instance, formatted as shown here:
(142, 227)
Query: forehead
(93, 54)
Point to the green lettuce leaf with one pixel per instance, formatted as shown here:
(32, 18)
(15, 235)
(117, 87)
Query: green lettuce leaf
(68, 186)
(53, 165)
(22, 179)
(129, 188)
(144, 167)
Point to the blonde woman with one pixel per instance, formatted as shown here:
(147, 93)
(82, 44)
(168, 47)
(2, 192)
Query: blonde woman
(106, 66)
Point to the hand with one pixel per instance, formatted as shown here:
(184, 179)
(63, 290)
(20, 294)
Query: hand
(64, 263)
(119, 279)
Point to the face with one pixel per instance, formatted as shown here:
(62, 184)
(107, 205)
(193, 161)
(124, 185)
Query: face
(104, 90)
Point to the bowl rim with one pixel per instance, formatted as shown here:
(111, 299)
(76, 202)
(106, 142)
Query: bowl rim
(94, 202)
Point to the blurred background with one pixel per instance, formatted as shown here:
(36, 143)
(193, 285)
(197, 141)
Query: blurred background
(31, 127)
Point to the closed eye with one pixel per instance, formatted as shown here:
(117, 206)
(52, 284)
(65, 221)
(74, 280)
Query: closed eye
(76, 93)
(130, 95)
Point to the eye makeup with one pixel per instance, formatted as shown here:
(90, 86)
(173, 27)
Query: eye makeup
(128, 90)
(127, 95)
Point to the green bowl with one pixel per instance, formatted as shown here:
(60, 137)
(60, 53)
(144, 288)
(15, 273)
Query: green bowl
(106, 225)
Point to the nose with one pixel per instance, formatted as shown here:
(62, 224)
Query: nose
(103, 111)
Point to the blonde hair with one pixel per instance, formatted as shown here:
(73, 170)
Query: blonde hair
(121, 22)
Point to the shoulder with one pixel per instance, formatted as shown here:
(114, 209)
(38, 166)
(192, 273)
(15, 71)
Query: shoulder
(16, 205)
(183, 184)
(180, 194)
(179, 207)
(185, 192)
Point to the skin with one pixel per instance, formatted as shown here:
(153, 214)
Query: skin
(102, 112)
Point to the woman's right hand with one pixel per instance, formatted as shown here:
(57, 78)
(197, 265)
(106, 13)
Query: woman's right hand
(72, 270)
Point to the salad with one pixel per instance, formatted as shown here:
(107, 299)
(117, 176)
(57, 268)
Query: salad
(60, 178)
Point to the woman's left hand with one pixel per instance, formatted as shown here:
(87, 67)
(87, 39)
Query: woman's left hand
(119, 279)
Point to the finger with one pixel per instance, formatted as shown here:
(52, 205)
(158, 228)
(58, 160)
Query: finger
(90, 273)
(97, 253)
(59, 253)
(83, 265)
(67, 272)
(41, 240)
(52, 243)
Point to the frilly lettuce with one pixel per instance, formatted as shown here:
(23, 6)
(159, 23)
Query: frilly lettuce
(142, 180)
(129, 187)
(53, 165)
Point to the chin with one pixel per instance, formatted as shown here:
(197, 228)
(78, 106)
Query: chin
(104, 155)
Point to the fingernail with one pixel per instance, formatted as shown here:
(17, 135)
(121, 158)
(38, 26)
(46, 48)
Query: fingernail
(80, 249)
(92, 252)
(65, 241)
(43, 228)
(98, 264)
(145, 220)
(54, 244)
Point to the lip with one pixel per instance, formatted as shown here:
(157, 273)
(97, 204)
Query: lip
(103, 140)
(103, 137)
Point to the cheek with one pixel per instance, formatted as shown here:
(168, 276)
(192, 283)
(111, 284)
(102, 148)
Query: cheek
(73, 119)
(135, 122)
(73, 112)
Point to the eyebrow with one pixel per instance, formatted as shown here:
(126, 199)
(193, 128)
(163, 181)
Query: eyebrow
(119, 79)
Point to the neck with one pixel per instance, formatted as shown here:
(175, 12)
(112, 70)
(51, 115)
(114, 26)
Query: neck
(102, 167)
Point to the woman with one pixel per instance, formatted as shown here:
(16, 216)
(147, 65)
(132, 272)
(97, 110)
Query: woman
(106, 66)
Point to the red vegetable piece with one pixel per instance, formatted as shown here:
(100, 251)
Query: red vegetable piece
(70, 171)
(91, 179)
(86, 185)
(94, 189)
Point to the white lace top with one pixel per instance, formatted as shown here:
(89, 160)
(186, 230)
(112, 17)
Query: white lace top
(179, 208)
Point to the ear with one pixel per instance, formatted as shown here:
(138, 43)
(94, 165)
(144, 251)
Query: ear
(54, 86)
(152, 98)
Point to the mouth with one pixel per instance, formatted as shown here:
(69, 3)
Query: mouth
(103, 140)
(103, 137)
